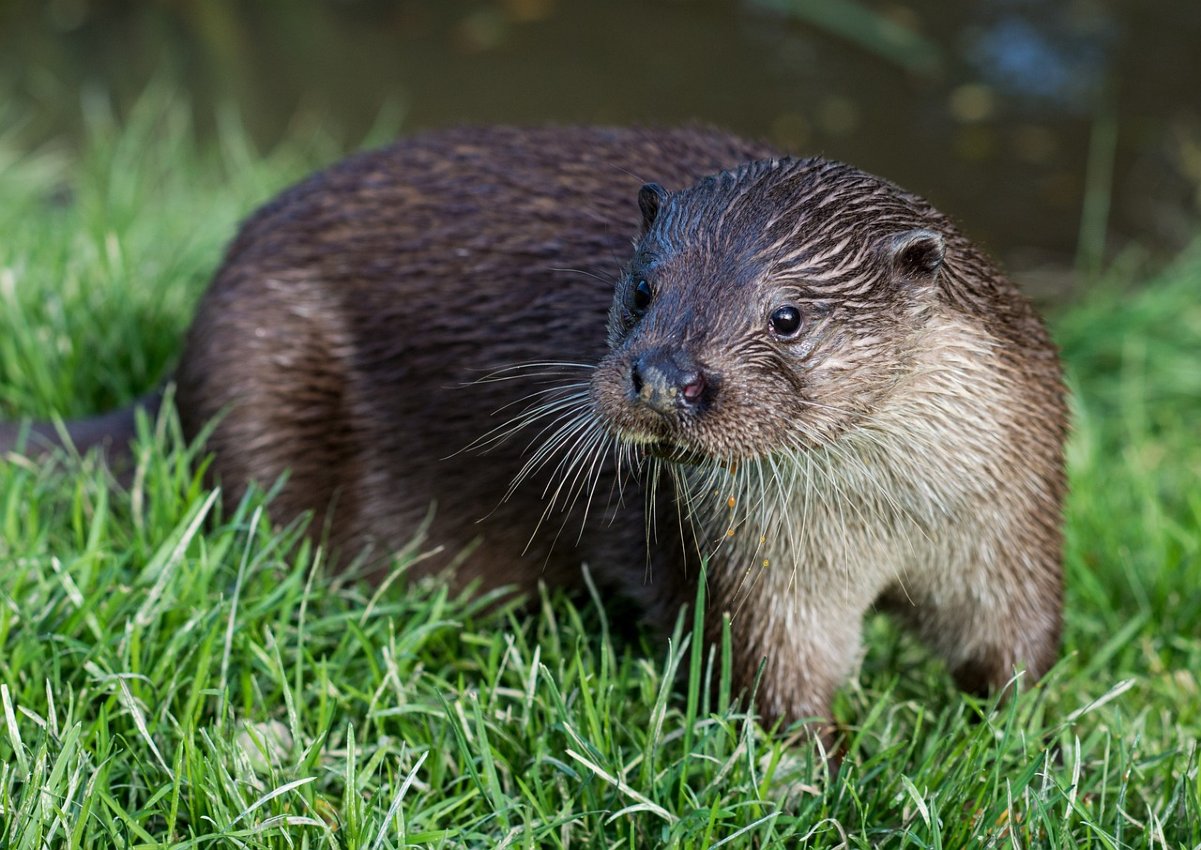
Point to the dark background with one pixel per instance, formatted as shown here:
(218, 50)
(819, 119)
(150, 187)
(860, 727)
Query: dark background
(1030, 121)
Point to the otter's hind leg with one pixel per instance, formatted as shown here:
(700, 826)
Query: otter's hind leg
(265, 358)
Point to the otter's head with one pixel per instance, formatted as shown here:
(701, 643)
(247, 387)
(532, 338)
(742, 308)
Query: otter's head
(766, 309)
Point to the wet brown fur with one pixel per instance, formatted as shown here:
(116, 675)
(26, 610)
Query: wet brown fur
(906, 451)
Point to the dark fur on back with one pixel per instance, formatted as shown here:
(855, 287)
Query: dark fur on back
(347, 333)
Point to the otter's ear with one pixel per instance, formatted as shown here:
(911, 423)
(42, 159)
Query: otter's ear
(917, 253)
(651, 197)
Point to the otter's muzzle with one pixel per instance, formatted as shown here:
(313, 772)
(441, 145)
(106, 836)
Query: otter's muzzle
(668, 382)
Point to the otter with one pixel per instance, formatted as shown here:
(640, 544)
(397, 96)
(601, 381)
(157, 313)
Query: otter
(801, 384)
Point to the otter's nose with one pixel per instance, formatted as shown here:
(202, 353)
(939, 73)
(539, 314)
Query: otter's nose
(667, 381)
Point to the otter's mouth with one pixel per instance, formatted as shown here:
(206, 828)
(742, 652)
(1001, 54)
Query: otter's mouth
(673, 453)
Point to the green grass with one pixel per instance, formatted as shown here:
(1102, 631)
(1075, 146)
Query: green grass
(174, 676)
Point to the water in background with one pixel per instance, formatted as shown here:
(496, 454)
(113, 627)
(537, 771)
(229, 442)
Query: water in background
(1020, 118)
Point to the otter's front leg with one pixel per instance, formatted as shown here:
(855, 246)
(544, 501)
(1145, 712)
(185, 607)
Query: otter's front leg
(808, 644)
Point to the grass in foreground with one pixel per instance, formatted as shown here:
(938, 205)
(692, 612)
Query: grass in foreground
(172, 676)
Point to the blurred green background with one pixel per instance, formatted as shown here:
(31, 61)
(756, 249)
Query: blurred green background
(1058, 132)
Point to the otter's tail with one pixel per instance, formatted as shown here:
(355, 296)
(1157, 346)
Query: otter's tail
(111, 432)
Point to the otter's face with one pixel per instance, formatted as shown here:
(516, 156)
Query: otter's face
(765, 310)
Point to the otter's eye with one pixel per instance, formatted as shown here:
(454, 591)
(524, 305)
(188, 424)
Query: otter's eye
(640, 297)
(786, 321)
